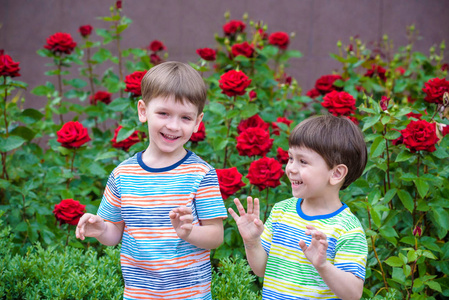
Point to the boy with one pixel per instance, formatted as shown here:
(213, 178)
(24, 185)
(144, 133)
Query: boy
(312, 246)
(164, 203)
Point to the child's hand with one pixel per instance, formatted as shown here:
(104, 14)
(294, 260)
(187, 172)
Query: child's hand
(181, 218)
(316, 251)
(249, 224)
(90, 225)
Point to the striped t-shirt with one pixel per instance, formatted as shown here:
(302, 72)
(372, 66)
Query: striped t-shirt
(156, 263)
(289, 274)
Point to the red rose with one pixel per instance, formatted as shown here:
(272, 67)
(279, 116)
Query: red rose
(244, 49)
(252, 95)
(118, 4)
(376, 70)
(101, 96)
(279, 39)
(339, 103)
(155, 59)
(230, 181)
(417, 231)
(60, 42)
(73, 135)
(325, 84)
(254, 121)
(254, 141)
(275, 127)
(69, 211)
(265, 172)
(200, 135)
(234, 83)
(233, 27)
(444, 130)
(125, 144)
(414, 115)
(85, 30)
(156, 46)
(133, 82)
(8, 67)
(207, 54)
(282, 156)
(313, 93)
(420, 135)
(384, 103)
(435, 89)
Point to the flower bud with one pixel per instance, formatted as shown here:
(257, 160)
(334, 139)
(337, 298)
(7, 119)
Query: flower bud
(245, 16)
(339, 44)
(227, 15)
(417, 231)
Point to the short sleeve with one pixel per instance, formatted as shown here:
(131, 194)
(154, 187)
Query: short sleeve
(267, 234)
(351, 252)
(110, 206)
(208, 201)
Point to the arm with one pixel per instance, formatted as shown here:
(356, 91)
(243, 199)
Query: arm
(109, 234)
(251, 228)
(343, 284)
(209, 235)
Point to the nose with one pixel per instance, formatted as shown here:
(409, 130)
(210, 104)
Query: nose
(291, 168)
(173, 124)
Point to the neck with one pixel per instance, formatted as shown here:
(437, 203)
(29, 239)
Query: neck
(162, 160)
(320, 206)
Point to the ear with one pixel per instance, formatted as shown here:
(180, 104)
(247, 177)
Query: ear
(198, 121)
(142, 111)
(339, 173)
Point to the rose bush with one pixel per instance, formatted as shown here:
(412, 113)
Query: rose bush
(252, 99)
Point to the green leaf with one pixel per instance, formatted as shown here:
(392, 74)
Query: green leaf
(411, 255)
(404, 155)
(119, 104)
(377, 147)
(422, 186)
(217, 108)
(441, 217)
(41, 90)
(124, 133)
(440, 153)
(392, 135)
(10, 143)
(23, 132)
(389, 195)
(76, 83)
(101, 55)
(434, 286)
(406, 200)
(31, 115)
(398, 275)
(370, 121)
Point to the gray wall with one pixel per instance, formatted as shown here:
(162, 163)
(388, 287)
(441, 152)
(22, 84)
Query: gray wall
(186, 25)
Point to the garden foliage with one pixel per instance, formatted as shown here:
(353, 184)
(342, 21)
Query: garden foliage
(56, 160)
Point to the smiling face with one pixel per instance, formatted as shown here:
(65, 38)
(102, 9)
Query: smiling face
(308, 173)
(170, 125)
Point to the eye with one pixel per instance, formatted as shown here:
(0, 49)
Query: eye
(303, 161)
(187, 118)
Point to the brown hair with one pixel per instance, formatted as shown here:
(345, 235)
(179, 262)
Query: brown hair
(337, 139)
(174, 79)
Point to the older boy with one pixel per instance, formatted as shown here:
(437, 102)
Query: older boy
(312, 246)
(163, 203)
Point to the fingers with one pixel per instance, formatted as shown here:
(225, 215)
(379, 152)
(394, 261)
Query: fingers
(303, 245)
(257, 207)
(239, 207)
(233, 214)
(183, 210)
(249, 205)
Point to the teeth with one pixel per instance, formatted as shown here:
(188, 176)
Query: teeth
(297, 182)
(168, 136)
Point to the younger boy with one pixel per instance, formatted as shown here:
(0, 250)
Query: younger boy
(163, 203)
(312, 246)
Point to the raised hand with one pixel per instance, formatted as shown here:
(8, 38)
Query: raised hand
(181, 218)
(249, 224)
(90, 225)
(316, 251)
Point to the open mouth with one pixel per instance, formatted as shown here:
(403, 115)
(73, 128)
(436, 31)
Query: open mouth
(170, 137)
(296, 182)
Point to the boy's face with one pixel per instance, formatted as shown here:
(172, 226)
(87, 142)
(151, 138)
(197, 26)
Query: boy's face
(170, 124)
(308, 173)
